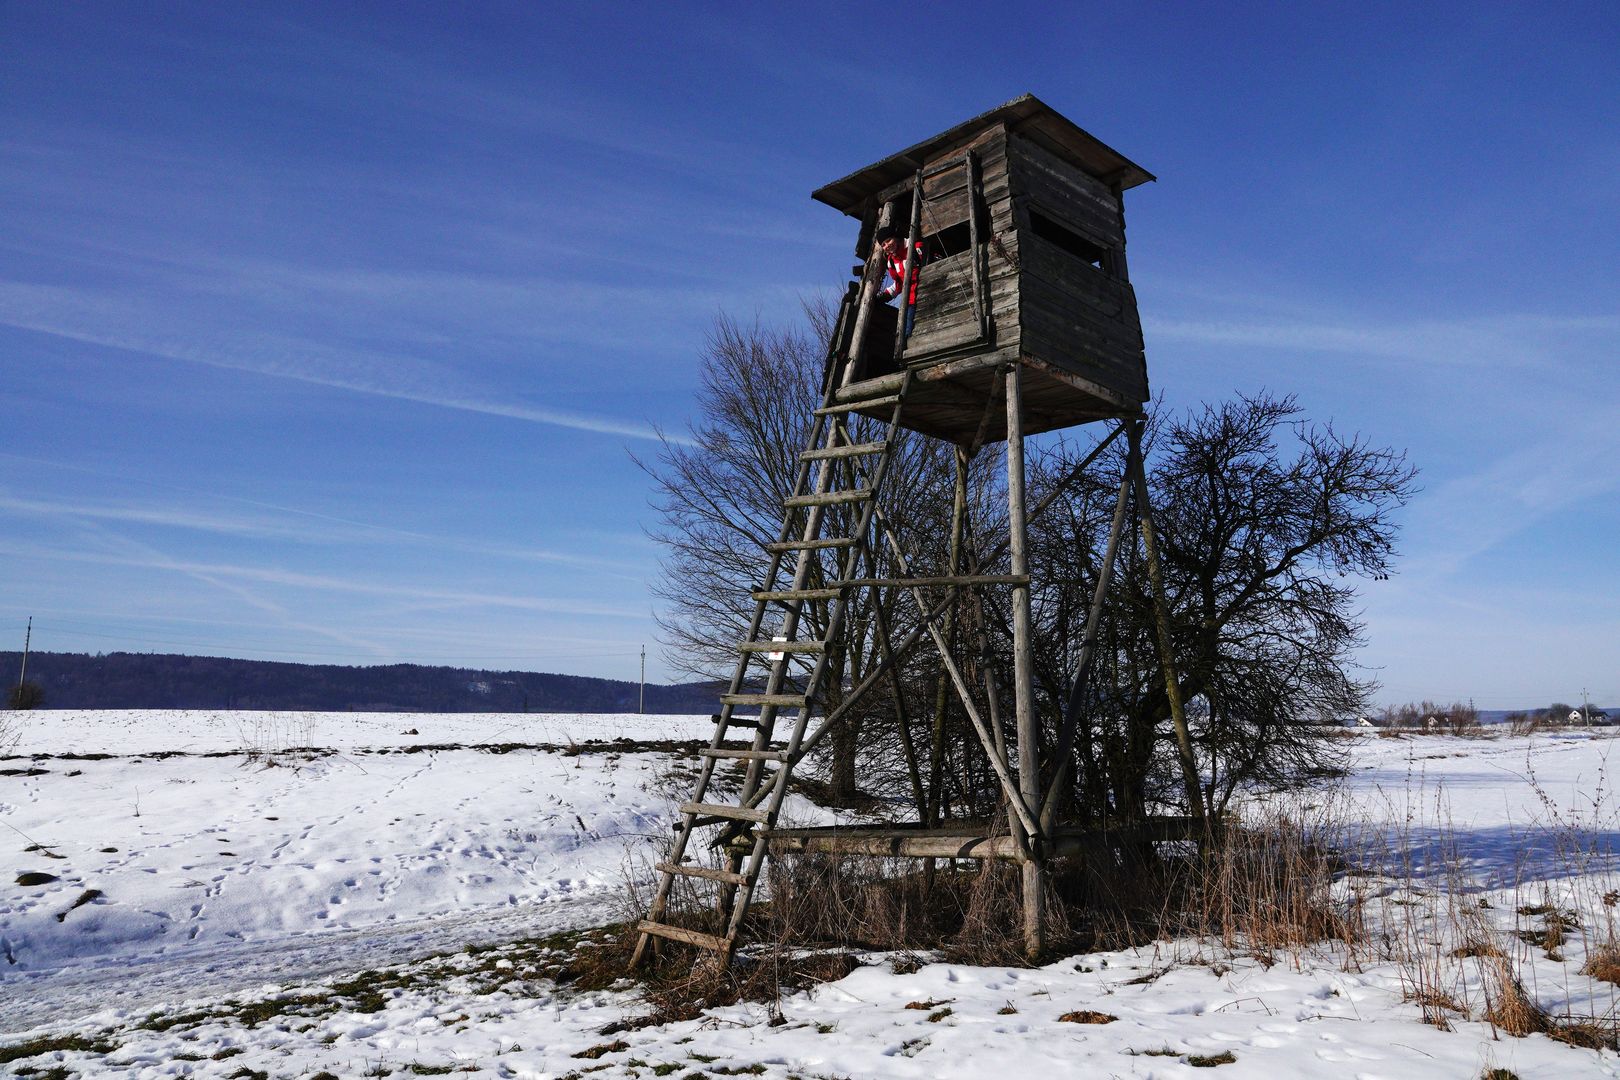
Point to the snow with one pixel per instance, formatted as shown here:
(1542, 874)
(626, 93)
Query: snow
(273, 874)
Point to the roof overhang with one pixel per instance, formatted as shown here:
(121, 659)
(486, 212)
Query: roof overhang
(1027, 116)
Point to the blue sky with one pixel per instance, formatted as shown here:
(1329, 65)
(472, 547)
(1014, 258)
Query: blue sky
(327, 331)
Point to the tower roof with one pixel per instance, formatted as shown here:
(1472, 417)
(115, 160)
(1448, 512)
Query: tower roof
(1027, 116)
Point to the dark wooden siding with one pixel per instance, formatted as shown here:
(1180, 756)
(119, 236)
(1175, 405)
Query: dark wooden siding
(947, 316)
(1073, 315)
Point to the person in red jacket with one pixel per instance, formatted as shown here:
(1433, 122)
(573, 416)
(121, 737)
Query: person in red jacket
(893, 245)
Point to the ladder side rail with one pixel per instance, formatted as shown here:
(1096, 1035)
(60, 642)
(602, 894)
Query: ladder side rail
(836, 612)
(776, 791)
(688, 820)
(912, 266)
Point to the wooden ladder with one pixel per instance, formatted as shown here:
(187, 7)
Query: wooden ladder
(830, 473)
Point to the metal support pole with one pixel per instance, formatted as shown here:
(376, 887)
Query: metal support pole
(1029, 750)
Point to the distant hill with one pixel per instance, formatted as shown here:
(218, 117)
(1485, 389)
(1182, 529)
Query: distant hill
(166, 681)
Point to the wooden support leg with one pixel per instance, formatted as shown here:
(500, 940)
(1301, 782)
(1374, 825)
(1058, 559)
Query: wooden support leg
(1161, 621)
(1029, 750)
(1088, 648)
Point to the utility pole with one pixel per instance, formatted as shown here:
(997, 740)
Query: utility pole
(1586, 708)
(641, 700)
(28, 637)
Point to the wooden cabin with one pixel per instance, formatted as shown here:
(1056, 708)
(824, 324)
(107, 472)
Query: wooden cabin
(1023, 225)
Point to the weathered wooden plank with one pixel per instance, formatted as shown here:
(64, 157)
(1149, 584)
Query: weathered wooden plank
(687, 870)
(830, 410)
(790, 701)
(810, 545)
(725, 810)
(680, 933)
(936, 582)
(855, 450)
(744, 755)
(782, 646)
(960, 843)
(828, 498)
(1031, 163)
(786, 595)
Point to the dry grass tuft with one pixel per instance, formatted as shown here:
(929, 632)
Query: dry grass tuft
(1087, 1016)
(1476, 948)
(1509, 1008)
(1603, 963)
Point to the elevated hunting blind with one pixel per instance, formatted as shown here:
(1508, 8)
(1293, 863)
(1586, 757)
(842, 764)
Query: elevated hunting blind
(1021, 218)
(1024, 321)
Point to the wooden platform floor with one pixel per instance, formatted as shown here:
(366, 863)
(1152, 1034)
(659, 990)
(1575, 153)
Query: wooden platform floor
(949, 400)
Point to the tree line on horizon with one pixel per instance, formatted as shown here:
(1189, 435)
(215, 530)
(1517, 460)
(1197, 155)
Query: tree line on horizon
(121, 680)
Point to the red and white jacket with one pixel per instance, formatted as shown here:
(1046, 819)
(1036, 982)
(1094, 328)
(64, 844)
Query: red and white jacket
(897, 274)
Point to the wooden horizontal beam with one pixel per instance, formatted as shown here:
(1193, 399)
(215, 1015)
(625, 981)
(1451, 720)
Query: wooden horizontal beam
(952, 579)
(959, 843)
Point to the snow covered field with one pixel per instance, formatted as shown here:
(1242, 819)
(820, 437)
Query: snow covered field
(208, 862)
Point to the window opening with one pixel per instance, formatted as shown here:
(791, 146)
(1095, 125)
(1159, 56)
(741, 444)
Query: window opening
(1061, 236)
(952, 240)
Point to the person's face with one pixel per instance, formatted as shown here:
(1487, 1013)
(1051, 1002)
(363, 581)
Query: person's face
(892, 247)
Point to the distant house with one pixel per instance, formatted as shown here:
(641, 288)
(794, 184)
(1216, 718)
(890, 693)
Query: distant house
(1575, 717)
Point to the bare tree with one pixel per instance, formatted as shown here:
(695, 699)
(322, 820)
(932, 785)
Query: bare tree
(1264, 521)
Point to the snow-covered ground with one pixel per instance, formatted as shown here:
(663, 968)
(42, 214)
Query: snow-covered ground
(273, 875)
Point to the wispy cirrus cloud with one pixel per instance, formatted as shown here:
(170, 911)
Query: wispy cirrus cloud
(334, 530)
(329, 583)
(371, 374)
(1514, 341)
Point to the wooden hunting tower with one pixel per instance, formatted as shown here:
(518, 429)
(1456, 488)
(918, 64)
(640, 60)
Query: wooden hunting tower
(1022, 221)
(1024, 321)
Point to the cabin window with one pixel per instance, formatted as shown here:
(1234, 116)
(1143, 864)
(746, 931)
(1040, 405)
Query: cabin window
(1065, 238)
(947, 242)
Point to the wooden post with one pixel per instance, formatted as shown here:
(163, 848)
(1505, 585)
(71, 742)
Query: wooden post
(1161, 623)
(936, 755)
(912, 267)
(1088, 648)
(1029, 751)
(871, 282)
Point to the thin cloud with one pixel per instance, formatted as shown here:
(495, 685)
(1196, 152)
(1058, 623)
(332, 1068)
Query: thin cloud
(288, 368)
(327, 583)
(353, 531)
(1498, 341)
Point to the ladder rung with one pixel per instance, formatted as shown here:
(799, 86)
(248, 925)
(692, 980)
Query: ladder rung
(746, 755)
(742, 721)
(720, 810)
(853, 406)
(798, 594)
(791, 701)
(782, 646)
(704, 872)
(856, 450)
(866, 388)
(810, 545)
(828, 498)
(680, 933)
